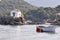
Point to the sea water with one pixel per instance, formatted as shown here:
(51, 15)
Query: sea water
(26, 32)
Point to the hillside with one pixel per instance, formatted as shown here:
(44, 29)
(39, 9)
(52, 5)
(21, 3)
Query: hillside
(8, 5)
(31, 12)
(42, 14)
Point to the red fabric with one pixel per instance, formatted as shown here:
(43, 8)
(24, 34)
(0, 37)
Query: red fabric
(38, 30)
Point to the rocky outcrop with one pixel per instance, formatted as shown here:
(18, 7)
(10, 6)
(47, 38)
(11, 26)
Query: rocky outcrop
(4, 20)
(9, 21)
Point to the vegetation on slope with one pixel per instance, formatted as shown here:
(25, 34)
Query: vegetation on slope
(31, 12)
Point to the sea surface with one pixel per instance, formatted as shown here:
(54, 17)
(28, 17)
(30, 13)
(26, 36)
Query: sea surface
(27, 32)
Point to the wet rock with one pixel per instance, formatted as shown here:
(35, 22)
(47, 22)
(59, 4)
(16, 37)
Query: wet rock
(9, 21)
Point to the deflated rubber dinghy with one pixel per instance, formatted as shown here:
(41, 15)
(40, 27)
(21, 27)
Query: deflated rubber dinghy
(45, 29)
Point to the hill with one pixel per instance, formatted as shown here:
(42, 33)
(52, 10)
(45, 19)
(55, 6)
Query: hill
(7, 5)
(31, 12)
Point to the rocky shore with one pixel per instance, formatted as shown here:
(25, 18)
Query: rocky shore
(9, 21)
(4, 20)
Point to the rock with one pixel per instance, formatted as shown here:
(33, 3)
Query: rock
(9, 21)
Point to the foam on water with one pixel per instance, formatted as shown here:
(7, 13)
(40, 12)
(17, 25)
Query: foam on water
(26, 32)
(57, 30)
(29, 33)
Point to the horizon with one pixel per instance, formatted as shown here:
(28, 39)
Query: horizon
(44, 3)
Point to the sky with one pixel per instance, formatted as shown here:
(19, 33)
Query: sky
(44, 3)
